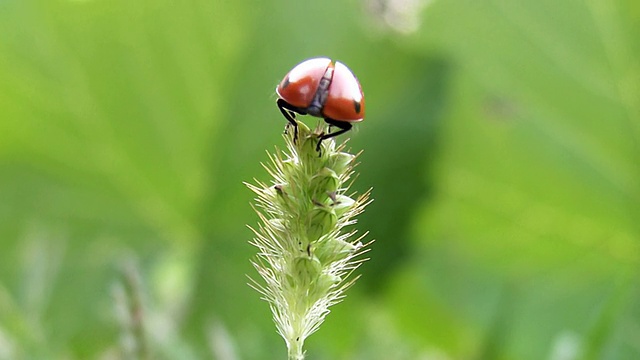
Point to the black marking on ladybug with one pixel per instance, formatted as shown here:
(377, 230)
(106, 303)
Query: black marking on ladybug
(322, 93)
(356, 105)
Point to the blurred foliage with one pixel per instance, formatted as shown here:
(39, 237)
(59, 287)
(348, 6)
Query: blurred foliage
(502, 141)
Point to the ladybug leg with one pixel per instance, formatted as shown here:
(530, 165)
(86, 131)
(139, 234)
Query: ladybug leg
(344, 126)
(289, 113)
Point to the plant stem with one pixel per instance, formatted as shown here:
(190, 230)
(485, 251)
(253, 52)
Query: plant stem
(304, 255)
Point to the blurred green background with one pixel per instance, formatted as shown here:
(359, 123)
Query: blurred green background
(502, 141)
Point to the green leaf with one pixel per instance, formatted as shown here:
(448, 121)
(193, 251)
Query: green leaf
(539, 182)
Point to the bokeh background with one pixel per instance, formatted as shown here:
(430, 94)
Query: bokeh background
(502, 142)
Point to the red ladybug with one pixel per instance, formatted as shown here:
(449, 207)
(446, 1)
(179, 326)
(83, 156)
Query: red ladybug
(323, 88)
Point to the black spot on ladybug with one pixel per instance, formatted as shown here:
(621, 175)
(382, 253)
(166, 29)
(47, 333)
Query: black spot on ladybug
(356, 105)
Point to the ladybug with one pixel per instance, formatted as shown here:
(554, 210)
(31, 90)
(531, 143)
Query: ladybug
(322, 88)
